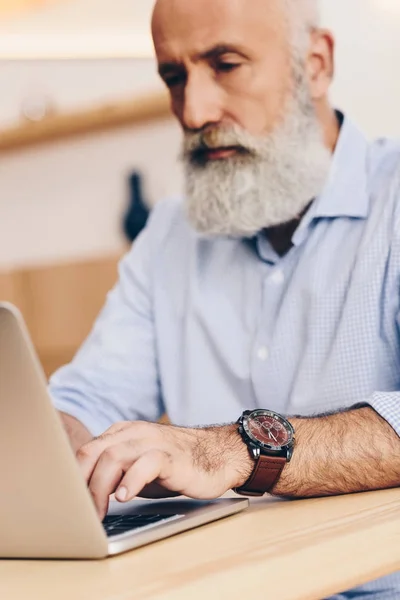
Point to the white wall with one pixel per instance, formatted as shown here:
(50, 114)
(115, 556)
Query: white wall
(367, 83)
(66, 201)
(79, 29)
(63, 201)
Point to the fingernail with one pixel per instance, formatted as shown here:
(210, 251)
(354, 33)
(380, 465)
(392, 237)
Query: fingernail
(122, 494)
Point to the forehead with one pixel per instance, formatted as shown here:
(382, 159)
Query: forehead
(188, 27)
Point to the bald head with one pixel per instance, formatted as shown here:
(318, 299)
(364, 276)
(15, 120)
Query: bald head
(303, 11)
(246, 47)
(303, 15)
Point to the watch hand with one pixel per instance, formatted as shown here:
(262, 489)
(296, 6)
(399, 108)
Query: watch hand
(274, 437)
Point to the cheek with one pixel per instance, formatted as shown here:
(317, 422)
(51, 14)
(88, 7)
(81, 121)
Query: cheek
(258, 101)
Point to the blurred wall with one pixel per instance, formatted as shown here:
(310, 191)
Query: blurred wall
(64, 201)
(366, 84)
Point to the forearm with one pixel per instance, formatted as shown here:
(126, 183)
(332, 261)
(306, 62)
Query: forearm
(77, 432)
(339, 454)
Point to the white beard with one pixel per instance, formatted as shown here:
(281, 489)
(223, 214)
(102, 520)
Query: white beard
(269, 184)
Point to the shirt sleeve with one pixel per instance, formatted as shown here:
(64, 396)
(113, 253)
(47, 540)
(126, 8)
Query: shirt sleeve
(387, 405)
(114, 376)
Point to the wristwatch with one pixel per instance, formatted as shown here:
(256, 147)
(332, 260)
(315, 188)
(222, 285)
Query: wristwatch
(270, 439)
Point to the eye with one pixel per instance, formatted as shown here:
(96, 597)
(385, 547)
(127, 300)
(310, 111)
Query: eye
(227, 67)
(172, 77)
(173, 81)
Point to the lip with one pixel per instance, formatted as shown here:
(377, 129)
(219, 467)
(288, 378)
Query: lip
(220, 153)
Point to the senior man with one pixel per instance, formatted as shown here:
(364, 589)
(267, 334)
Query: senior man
(272, 289)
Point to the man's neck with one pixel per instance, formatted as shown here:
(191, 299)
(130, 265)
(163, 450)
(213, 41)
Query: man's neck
(280, 237)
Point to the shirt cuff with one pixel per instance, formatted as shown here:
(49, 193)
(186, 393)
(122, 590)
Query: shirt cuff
(95, 427)
(387, 405)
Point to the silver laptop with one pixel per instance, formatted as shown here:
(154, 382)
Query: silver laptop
(46, 510)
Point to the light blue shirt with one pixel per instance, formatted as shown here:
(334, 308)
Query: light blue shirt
(204, 328)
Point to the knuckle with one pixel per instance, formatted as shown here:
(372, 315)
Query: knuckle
(142, 429)
(130, 444)
(84, 452)
(161, 455)
(120, 426)
(169, 457)
(112, 454)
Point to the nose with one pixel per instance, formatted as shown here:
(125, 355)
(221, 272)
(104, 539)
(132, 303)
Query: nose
(202, 103)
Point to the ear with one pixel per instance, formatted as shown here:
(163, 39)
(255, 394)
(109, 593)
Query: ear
(321, 63)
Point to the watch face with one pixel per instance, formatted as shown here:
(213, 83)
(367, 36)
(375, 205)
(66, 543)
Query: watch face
(268, 429)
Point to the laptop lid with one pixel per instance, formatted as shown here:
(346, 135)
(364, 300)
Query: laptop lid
(45, 507)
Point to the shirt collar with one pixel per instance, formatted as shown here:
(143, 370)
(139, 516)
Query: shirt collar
(346, 191)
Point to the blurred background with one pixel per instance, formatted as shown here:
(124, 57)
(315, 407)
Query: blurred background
(87, 145)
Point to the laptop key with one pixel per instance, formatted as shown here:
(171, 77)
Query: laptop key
(118, 524)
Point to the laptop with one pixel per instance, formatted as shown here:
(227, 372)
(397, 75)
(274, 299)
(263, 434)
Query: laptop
(46, 510)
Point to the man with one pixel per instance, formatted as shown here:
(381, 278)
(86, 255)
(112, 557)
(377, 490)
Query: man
(278, 289)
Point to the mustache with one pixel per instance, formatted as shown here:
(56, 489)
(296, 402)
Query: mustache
(197, 144)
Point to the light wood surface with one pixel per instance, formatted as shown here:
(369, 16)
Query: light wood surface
(301, 550)
(93, 120)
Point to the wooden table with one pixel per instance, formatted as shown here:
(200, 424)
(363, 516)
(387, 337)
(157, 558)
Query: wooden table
(299, 550)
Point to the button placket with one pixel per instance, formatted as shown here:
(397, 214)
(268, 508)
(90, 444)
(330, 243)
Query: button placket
(262, 362)
(277, 277)
(263, 353)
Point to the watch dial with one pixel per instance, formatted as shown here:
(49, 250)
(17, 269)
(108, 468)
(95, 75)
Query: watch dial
(268, 430)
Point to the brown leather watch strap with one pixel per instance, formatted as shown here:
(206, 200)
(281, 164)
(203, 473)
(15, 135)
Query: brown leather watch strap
(266, 473)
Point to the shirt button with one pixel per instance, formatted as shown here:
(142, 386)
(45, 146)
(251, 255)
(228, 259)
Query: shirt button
(277, 277)
(263, 353)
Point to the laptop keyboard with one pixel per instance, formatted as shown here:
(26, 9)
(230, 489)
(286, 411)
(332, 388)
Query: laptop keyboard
(118, 524)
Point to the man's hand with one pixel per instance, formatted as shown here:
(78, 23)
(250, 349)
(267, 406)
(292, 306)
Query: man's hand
(77, 433)
(153, 460)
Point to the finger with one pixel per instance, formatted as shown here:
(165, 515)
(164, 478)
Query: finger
(110, 469)
(90, 453)
(104, 481)
(152, 465)
(88, 457)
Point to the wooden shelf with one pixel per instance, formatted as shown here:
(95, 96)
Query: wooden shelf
(59, 126)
